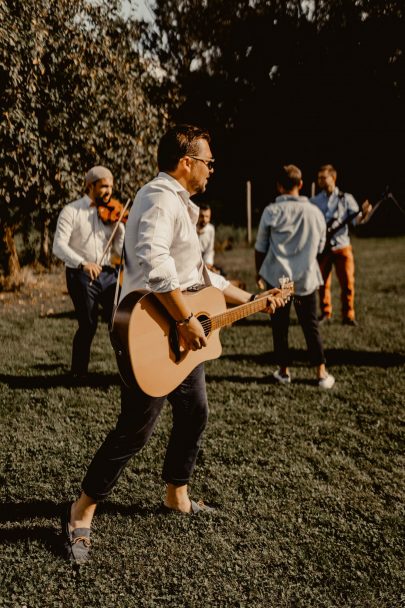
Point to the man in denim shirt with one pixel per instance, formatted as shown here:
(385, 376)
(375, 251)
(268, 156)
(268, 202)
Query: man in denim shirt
(338, 208)
(290, 236)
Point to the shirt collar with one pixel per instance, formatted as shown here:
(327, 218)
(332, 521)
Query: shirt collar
(88, 201)
(334, 193)
(289, 197)
(193, 209)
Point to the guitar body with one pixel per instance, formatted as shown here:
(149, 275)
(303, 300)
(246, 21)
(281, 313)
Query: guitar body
(144, 338)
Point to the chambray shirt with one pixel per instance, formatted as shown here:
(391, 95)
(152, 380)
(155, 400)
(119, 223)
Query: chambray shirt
(162, 251)
(337, 208)
(81, 236)
(291, 233)
(206, 236)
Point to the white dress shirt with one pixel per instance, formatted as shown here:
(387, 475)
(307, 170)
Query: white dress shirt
(291, 233)
(81, 236)
(162, 251)
(206, 236)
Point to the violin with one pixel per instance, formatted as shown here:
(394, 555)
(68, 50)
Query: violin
(110, 212)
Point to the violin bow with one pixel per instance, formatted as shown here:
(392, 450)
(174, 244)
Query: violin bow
(110, 240)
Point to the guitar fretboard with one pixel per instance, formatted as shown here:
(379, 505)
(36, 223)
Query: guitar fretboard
(240, 312)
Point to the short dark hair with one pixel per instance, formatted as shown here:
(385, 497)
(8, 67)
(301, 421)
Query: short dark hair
(289, 176)
(205, 207)
(177, 142)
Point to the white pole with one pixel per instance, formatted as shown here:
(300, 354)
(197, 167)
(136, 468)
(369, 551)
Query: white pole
(249, 211)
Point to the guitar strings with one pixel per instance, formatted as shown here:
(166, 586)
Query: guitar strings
(207, 323)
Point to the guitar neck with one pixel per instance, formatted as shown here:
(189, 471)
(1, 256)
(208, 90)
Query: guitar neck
(238, 312)
(333, 231)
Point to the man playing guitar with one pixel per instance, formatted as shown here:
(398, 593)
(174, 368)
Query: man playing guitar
(162, 255)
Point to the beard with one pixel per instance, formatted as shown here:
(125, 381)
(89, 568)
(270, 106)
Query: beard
(198, 186)
(100, 200)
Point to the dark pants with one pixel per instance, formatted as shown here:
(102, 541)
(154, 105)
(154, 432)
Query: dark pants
(87, 295)
(306, 308)
(135, 425)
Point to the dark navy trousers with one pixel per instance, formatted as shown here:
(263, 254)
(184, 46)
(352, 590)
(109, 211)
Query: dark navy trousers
(135, 425)
(87, 296)
(306, 309)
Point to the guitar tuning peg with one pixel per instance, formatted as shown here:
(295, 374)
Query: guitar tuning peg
(283, 281)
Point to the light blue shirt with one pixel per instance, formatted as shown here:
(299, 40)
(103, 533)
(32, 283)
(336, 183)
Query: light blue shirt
(336, 208)
(291, 233)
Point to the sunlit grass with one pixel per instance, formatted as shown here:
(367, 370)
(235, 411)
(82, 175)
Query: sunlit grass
(309, 485)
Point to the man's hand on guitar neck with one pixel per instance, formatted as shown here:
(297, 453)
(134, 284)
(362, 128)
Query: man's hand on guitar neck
(275, 299)
(235, 296)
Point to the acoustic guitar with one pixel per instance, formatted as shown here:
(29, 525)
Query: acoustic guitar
(146, 341)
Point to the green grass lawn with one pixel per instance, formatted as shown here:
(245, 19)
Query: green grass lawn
(309, 485)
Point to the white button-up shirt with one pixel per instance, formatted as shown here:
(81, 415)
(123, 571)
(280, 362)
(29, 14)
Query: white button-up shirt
(291, 233)
(81, 236)
(162, 251)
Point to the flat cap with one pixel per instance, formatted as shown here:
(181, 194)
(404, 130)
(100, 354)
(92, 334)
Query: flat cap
(96, 173)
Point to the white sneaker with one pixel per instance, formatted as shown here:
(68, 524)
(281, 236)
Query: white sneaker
(326, 382)
(281, 378)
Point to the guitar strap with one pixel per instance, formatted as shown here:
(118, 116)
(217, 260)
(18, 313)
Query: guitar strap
(206, 276)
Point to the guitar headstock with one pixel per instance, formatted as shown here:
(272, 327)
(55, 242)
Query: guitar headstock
(286, 287)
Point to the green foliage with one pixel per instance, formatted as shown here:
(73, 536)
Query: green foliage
(75, 92)
(309, 486)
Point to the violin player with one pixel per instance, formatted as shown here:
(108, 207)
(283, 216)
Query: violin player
(83, 232)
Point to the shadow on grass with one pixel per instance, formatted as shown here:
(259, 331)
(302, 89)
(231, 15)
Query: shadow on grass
(49, 536)
(11, 512)
(95, 380)
(65, 314)
(334, 357)
(268, 379)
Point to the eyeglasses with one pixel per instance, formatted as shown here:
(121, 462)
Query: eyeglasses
(208, 163)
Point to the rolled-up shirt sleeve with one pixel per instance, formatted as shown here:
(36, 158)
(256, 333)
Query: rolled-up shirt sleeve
(352, 207)
(156, 230)
(61, 248)
(218, 280)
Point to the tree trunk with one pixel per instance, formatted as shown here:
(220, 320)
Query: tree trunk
(44, 254)
(14, 278)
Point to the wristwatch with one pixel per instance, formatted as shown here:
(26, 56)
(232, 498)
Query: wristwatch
(80, 266)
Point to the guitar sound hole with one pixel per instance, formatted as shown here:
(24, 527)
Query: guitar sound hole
(205, 322)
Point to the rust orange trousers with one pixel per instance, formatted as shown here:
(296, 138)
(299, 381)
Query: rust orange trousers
(343, 261)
